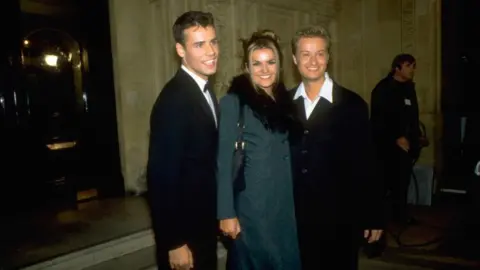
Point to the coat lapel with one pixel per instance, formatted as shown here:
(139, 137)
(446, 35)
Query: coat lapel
(215, 102)
(197, 94)
(322, 111)
(300, 107)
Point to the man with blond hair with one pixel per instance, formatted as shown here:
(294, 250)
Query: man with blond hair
(337, 196)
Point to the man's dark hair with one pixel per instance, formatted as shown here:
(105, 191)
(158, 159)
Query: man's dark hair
(191, 19)
(400, 59)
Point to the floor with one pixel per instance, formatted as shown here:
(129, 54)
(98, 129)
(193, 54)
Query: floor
(137, 261)
(37, 237)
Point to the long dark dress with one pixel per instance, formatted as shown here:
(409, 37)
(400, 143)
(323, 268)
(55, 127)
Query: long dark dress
(265, 208)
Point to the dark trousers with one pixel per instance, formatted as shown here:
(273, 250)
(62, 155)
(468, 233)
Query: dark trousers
(397, 172)
(329, 248)
(204, 254)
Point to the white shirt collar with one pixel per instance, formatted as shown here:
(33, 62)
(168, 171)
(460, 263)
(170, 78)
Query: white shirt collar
(201, 82)
(326, 91)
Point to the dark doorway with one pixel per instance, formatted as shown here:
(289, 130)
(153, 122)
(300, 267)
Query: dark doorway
(460, 93)
(57, 115)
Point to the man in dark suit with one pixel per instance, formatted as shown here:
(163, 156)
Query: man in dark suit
(182, 153)
(396, 131)
(338, 199)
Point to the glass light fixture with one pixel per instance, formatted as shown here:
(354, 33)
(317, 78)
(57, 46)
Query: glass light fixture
(51, 60)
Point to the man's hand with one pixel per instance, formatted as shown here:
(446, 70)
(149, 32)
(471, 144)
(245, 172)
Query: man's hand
(403, 143)
(230, 227)
(372, 235)
(181, 258)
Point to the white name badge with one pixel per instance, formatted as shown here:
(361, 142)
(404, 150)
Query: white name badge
(408, 102)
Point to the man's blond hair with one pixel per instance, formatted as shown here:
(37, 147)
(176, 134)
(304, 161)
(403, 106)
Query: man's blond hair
(310, 32)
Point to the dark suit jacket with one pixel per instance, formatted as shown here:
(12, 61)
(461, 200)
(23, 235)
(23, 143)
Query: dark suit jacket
(181, 165)
(333, 164)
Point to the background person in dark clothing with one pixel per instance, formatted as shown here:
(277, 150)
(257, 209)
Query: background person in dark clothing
(396, 130)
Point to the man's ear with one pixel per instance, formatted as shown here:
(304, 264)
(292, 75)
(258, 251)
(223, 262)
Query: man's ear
(180, 50)
(294, 59)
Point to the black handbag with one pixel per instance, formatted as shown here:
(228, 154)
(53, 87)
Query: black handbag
(239, 154)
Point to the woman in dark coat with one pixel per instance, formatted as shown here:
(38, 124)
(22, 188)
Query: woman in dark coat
(260, 217)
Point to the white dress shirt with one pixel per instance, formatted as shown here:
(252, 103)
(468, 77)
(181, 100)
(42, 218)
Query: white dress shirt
(325, 92)
(201, 83)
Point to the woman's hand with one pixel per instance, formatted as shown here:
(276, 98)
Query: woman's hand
(230, 227)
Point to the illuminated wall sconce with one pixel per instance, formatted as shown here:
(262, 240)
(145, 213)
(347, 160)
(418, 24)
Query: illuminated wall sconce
(51, 60)
(62, 145)
(26, 42)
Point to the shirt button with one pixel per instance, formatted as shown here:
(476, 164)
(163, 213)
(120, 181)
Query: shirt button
(286, 157)
(304, 171)
(306, 132)
(304, 152)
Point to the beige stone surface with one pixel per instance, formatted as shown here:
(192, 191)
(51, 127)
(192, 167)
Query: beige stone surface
(366, 35)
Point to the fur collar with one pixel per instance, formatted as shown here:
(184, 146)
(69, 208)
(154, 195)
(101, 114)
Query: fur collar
(275, 114)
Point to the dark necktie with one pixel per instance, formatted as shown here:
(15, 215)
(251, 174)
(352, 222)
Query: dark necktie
(206, 87)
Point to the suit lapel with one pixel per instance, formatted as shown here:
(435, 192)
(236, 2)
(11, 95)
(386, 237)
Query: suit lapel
(322, 111)
(215, 102)
(197, 94)
(300, 106)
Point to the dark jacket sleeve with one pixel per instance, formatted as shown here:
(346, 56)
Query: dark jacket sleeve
(364, 168)
(168, 138)
(388, 121)
(227, 128)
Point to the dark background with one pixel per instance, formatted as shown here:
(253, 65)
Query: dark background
(460, 92)
(28, 170)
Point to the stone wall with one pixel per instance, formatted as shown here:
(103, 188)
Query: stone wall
(366, 36)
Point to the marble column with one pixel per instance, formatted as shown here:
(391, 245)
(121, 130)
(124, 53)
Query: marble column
(134, 78)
